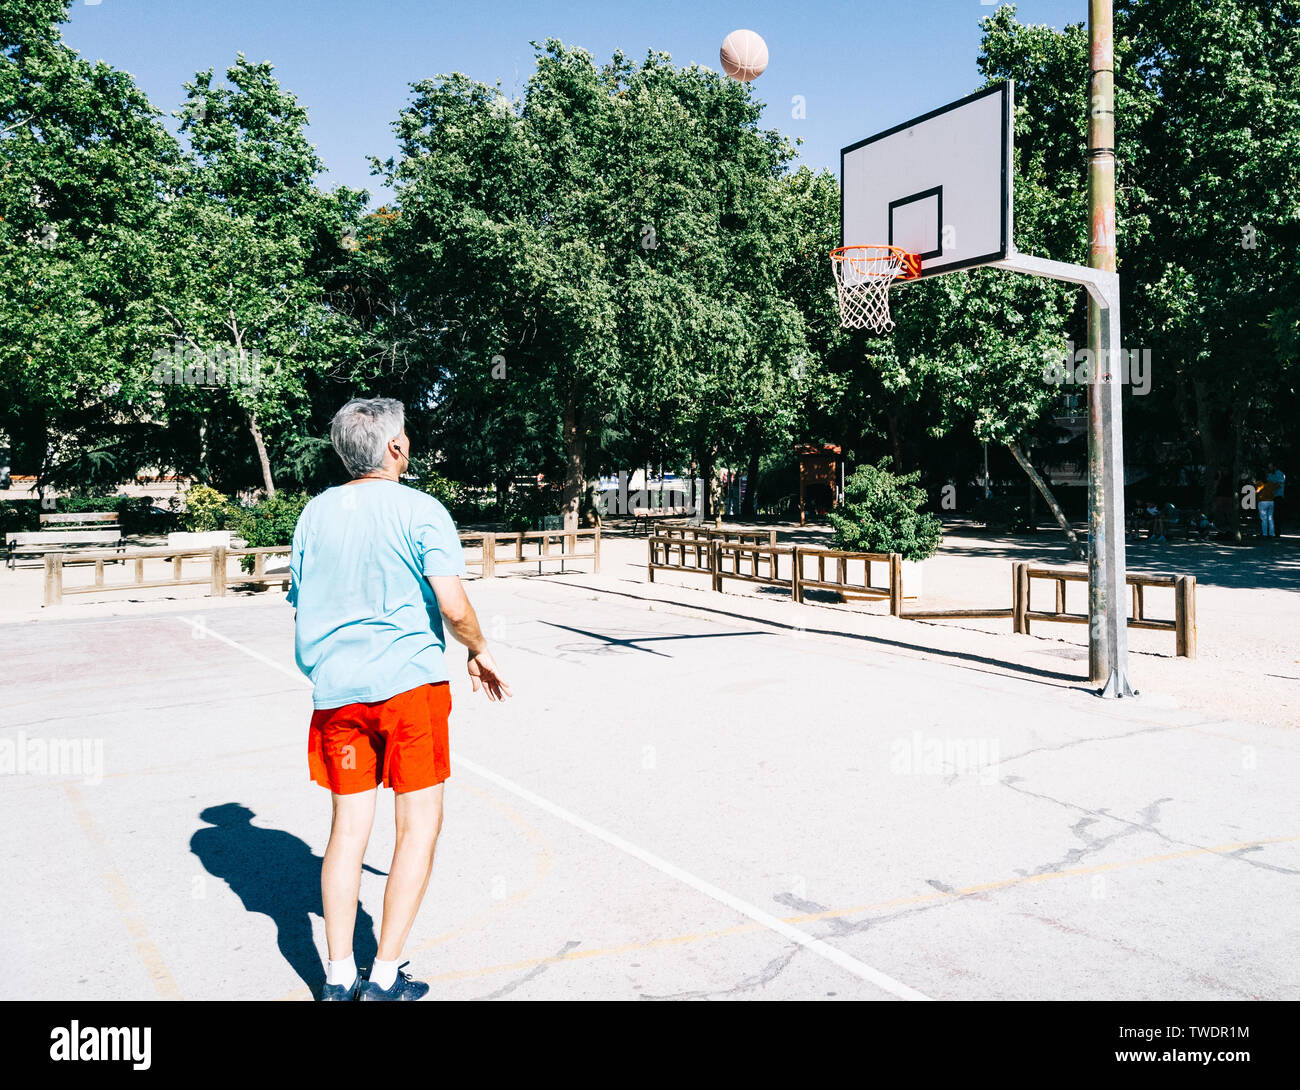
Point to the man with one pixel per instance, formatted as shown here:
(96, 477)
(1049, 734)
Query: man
(1277, 479)
(1264, 492)
(376, 571)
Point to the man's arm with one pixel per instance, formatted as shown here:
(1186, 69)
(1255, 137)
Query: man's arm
(463, 622)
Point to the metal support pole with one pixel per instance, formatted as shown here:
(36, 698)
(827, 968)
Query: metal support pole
(1107, 609)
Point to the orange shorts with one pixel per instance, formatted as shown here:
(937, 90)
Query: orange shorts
(400, 742)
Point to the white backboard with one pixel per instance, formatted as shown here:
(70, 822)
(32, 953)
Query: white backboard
(938, 185)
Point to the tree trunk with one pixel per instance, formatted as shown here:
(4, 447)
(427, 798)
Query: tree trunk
(750, 507)
(895, 441)
(575, 449)
(262, 457)
(1018, 452)
(46, 465)
(1209, 445)
(712, 489)
(1235, 418)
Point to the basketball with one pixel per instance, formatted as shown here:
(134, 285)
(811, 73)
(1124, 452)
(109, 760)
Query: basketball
(744, 55)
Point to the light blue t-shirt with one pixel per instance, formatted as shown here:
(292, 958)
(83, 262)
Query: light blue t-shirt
(368, 625)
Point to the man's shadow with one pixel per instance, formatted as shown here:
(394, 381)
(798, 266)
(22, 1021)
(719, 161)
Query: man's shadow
(275, 873)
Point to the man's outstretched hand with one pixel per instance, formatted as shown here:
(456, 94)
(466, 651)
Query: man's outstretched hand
(483, 674)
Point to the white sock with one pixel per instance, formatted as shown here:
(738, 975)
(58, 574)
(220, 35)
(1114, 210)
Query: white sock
(342, 973)
(384, 973)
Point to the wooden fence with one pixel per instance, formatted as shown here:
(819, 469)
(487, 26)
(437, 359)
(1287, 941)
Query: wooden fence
(707, 533)
(765, 564)
(840, 580)
(501, 550)
(552, 545)
(217, 577)
(1182, 625)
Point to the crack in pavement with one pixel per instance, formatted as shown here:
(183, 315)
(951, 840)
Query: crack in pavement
(532, 973)
(764, 976)
(834, 924)
(1149, 815)
(1096, 738)
(1217, 986)
(1240, 852)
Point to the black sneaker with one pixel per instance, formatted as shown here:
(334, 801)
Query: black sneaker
(339, 993)
(404, 989)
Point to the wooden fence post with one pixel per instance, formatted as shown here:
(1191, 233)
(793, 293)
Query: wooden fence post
(219, 571)
(488, 549)
(53, 579)
(1185, 616)
(1019, 597)
(715, 563)
(896, 584)
(595, 568)
(650, 559)
(796, 573)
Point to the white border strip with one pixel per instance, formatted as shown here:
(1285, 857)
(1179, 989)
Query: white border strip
(753, 912)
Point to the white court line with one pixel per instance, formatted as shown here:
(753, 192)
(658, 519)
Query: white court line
(773, 923)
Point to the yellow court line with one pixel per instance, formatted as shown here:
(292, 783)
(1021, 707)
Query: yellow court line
(159, 974)
(902, 902)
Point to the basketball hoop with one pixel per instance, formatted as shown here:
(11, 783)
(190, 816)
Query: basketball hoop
(863, 277)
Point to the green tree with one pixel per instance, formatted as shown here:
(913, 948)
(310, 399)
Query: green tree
(1208, 134)
(598, 265)
(83, 162)
(253, 250)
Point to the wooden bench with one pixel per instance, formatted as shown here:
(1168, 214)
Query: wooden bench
(82, 520)
(57, 541)
(649, 515)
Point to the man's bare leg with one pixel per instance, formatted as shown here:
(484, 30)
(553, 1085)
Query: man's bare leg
(419, 820)
(340, 874)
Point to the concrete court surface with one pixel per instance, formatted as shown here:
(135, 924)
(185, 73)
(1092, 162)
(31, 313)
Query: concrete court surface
(678, 803)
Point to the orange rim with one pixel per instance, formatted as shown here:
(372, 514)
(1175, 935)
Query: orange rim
(910, 263)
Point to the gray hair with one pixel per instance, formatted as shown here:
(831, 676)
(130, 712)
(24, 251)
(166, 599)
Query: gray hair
(360, 432)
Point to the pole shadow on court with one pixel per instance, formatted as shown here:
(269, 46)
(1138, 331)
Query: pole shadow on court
(278, 875)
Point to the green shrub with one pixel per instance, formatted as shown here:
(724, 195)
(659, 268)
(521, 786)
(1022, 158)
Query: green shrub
(881, 514)
(525, 507)
(270, 522)
(441, 488)
(206, 509)
(20, 516)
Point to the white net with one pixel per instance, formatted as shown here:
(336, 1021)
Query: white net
(863, 277)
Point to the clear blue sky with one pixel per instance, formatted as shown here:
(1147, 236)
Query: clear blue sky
(861, 65)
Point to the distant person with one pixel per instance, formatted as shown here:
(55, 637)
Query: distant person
(1204, 526)
(1169, 512)
(375, 572)
(1264, 491)
(1155, 522)
(1278, 479)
